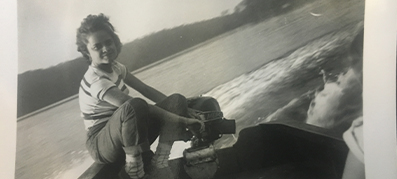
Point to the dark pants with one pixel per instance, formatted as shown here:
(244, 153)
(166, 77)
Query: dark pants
(131, 128)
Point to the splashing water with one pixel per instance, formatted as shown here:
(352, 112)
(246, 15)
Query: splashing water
(299, 66)
(336, 100)
(251, 97)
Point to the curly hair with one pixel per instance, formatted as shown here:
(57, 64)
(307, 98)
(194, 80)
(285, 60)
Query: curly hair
(94, 23)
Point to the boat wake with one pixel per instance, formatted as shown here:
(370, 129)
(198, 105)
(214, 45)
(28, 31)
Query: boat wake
(286, 88)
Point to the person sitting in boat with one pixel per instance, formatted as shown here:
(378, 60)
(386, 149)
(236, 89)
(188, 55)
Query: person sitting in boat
(119, 126)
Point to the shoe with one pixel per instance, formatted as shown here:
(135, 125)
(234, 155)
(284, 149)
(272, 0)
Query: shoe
(160, 173)
(134, 171)
(146, 159)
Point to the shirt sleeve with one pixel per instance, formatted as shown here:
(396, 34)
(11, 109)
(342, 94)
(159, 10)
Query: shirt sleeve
(99, 87)
(354, 138)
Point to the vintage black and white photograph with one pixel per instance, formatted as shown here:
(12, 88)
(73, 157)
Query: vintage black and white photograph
(190, 89)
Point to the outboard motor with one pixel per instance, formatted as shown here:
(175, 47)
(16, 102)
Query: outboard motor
(200, 159)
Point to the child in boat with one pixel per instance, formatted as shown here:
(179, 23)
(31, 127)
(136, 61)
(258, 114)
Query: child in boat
(121, 127)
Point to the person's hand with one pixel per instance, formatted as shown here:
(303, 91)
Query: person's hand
(193, 113)
(195, 124)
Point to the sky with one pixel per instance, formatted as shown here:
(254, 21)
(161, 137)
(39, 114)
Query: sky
(47, 28)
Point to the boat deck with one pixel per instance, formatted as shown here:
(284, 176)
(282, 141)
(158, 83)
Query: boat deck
(284, 149)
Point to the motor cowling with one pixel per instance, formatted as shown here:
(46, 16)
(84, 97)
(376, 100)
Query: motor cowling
(201, 160)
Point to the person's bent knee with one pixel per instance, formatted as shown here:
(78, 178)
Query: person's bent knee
(138, 105)
(204, 104)
(136, 112)
(175, 103)
(212, 104)
(136, 102)
(177, 97)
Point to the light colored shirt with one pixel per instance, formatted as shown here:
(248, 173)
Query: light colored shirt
(93, 87)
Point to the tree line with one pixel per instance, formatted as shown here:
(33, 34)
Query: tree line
(43, 87)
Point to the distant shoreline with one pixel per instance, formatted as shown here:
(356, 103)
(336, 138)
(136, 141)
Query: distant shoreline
(40, 89)
(133, 72)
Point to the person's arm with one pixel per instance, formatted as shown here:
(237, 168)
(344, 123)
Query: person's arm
(158, 112)
(116, 97)
(146, 90)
